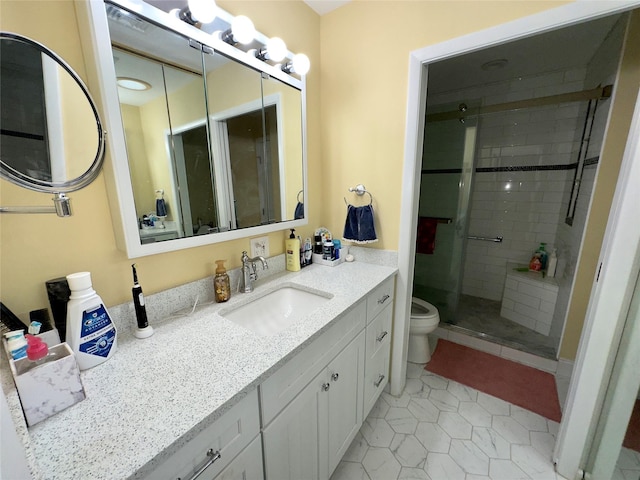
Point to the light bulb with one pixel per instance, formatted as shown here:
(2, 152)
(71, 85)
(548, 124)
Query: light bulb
(243, 30)
(203, 11)
(300, 64)
(276, 49)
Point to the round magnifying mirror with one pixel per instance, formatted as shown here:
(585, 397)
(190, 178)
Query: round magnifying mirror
(51, 137)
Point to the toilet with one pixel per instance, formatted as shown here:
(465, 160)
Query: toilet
(424, 320)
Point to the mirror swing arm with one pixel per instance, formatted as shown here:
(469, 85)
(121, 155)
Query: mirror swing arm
(61, 202)
(96, 37)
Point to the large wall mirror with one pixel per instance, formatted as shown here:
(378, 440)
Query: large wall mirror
(208, 142)
(46, 108)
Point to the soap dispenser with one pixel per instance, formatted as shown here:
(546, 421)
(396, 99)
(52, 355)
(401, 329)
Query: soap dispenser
(292, 252)
(221, 283)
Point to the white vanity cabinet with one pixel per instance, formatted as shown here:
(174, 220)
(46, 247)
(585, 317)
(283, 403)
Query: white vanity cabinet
(378, 350)
(219, 450)
(312, 406)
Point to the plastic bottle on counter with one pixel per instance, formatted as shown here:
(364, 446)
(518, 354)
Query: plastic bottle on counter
(221, 283)
(292, 252)
(553, 264)
(91, 334)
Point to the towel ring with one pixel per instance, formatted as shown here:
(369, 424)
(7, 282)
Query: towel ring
(298, 196)
(360, 190)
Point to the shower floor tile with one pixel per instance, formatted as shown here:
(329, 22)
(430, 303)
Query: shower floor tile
(480, 317)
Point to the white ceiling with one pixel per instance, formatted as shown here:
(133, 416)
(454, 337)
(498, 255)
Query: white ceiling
(325, 6)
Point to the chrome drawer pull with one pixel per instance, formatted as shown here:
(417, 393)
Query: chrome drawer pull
(334, 377)
(381, 336)
(379, 381)
(383, 299)
(213, 457)
(326, 386)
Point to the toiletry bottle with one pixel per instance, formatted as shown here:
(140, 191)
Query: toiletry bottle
(535, 265)
(143, 329)
(328, 251)
(91, 334)
(221, 283)
(553, 264)
(543, 255)
(38, 352)
(292, 252)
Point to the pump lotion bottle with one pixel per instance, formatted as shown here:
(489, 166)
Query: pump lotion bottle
(90, 332)
(143, 329)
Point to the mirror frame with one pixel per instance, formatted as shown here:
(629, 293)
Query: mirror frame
(22, 180)
(95, 35)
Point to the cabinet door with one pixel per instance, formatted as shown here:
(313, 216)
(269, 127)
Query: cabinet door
(344, 414)
(292, 440)
(247, 465)
(376, 377)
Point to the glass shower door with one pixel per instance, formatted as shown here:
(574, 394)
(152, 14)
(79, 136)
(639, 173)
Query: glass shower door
(445, 190)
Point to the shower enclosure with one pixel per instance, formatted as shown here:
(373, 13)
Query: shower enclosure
(496, 182)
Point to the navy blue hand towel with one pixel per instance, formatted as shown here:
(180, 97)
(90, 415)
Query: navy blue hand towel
(359, 225)
(299, 213)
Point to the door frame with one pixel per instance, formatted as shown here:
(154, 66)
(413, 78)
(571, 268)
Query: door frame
(563, 16)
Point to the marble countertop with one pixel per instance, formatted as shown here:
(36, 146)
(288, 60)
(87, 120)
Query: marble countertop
(155, 394)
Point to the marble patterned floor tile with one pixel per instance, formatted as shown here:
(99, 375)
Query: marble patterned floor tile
(505, 470)
(416, 388)
(462, 392)
(532, 462)
(493, 405)
(433, 437)
(413, 474)
(455, 433)
(401, 420)
(469, 456)
(350, 471)
(442, 466)
(379, 409)
(434, 381)
(424, 410)
(401, 401)
(408, 451)
(455, 425)
(377, 432)
(380, 464)
(529, 420)
(357, 449)
(475, 414)
(415, 370)
(444, 400)
(491, 443)
(510, 430)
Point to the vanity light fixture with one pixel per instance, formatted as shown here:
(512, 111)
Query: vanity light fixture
(241, 31)
(198, 11)
(275, 50)
(133, 84)
(300, 64)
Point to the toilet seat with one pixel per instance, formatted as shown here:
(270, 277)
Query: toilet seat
(424, 320)
(423, 313)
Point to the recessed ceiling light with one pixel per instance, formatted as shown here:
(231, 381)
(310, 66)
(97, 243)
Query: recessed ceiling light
(133, 84)
(495, 64)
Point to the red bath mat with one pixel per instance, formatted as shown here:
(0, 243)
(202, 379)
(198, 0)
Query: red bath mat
(524, 386)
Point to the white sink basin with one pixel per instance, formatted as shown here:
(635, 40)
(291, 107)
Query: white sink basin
(277, 310)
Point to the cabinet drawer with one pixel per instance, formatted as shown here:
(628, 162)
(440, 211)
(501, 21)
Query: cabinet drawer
(246, 466)
(380, 297)
(289, 380)
(379, 331)
(228, 435)
(376, 376)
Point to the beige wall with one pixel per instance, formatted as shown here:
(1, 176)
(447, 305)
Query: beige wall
(356, 135)
(36, 248)
(627, 87)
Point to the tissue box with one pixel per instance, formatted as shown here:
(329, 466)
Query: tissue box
(48, 388)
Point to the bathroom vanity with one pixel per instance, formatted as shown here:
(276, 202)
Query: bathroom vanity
(205, 391)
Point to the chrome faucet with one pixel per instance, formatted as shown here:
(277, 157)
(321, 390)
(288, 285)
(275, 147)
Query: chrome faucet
(249, 274)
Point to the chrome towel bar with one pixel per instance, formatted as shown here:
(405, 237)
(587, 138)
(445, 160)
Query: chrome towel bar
(486, 239)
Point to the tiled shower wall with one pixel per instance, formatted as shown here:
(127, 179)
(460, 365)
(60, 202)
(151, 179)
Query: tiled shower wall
(525, 206)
